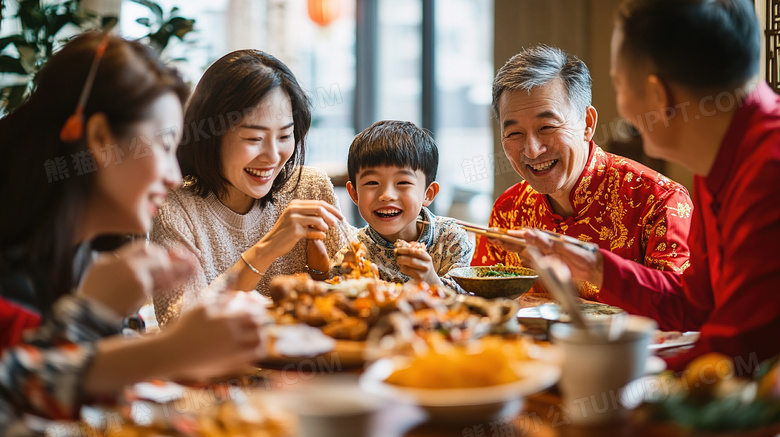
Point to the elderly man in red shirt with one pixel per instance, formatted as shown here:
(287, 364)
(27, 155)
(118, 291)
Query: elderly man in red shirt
(694, 65)
(542, 99)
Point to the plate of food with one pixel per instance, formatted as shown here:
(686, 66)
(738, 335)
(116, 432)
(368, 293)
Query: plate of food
(671, 339)
(164, 408)
(348, 308)
(484, 380)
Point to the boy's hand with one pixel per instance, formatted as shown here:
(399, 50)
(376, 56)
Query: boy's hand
(415, 261)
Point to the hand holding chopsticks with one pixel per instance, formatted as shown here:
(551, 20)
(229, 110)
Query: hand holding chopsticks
(582, 257)
(560, 238)
(503, 235)
(556, 277)
(498, 234)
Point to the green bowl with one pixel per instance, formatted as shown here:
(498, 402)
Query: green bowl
(490, 287)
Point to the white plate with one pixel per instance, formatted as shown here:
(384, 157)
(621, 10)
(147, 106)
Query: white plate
(670, 339)
(462, 405)
(654, 365)
(536, 376)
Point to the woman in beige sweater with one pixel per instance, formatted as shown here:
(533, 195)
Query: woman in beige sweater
(249, 210)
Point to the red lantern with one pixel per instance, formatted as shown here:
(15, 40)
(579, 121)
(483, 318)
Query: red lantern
(324, 12)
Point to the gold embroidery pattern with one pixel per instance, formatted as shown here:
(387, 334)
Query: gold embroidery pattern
(660, 230)
(627, 222)
(683, 210)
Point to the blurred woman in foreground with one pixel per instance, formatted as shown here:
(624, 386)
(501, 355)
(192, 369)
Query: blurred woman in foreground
(93, 152)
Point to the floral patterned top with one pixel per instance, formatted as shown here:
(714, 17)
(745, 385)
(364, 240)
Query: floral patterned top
(446, 242)
(619, 204)
(42, 376)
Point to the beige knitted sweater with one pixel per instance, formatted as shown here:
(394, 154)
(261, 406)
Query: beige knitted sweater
(218, 236)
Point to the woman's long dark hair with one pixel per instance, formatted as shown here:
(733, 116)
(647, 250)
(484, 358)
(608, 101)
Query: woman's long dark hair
(232, 86)
(45, 183)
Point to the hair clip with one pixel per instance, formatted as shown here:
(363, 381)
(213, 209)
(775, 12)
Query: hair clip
(73, 129)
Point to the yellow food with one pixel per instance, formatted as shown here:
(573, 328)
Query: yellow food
(769, 385)
(490, 361)
(705, 372)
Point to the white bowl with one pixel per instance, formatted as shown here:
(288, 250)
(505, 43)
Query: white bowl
(465, 405)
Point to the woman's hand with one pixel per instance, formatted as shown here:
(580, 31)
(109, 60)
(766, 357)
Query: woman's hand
(415, 261)
(302, 219)
(215, 340)
(125, 279)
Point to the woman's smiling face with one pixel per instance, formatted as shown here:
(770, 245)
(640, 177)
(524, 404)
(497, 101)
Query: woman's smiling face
(256, 149)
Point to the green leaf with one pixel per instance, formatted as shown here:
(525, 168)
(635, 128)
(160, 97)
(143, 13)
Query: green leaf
(58, 21)
(160, 38)
(108, 20)
(181, 26)
(14, 96)
(11, 65)
(154, 7)
(28, 56)
(13, 39)
(31, 14)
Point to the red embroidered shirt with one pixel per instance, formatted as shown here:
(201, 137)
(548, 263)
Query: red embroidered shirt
(619, 204)
(731, 293)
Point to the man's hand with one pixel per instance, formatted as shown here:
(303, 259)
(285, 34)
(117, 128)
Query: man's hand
(584, 265)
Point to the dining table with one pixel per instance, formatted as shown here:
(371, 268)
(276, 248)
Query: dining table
(543, 414)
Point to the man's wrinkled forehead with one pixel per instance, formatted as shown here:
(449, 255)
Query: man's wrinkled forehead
(538, 103)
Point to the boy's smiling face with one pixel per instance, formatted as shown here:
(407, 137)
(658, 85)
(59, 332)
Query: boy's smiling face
(390, 198)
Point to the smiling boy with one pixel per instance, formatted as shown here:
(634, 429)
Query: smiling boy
(392, 170)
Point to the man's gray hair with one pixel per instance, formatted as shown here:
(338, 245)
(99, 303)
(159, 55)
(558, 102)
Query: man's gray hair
(540, 65)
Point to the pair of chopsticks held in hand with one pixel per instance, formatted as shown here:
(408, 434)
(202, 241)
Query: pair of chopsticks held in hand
(503, 235)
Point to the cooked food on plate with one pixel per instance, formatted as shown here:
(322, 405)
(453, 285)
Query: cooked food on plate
(356, 263)
(485, 362)
(497, 271)
(349, 309)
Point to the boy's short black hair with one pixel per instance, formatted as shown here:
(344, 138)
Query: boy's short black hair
(394, 143)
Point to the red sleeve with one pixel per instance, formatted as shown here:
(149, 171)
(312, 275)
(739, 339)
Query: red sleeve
(13, 320)
(737, 308)
(649, 292)
(745, 320)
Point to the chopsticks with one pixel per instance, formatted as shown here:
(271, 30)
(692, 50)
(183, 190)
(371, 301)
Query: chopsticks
(501, 234)
(498, 234)
(352, 239)
(590, 247)
(557, 279)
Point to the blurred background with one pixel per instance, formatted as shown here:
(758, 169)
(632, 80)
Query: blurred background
(427, 61)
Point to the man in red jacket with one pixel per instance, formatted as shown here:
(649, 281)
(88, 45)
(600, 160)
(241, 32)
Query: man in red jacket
(686, 76)
(542, 100)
